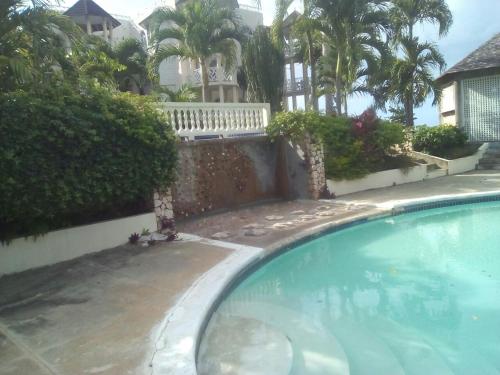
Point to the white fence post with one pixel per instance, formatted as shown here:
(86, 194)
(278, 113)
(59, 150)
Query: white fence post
(214, 119)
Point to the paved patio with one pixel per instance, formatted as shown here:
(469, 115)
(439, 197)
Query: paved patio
(96, 315)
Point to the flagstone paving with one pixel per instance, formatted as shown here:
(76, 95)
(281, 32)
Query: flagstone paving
(96, 314)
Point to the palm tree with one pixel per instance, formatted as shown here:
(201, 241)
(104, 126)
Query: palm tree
(197, 31)
(405, 14)
(33, 41)
(419, 58)
(133, 56)
(185, 93)
(412, 79)
(263, 65)
(354, 29)
(306, 31)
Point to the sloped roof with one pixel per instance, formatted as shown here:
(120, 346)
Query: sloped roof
(90, 8)
(485, 57)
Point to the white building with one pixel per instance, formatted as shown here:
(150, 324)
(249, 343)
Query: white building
(224, 87)
(471, 93)
(94, 20)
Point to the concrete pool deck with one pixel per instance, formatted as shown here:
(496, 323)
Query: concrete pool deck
(98, 314)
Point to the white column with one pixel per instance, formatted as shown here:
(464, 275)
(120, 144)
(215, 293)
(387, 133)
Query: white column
(236, 94)
(89, 26)
(105, 29)
(292, 75)
(111, 32)
(221, 93)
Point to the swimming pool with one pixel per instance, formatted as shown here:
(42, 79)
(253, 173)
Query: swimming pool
(417, 293)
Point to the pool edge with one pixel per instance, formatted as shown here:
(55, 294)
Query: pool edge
(229, 273)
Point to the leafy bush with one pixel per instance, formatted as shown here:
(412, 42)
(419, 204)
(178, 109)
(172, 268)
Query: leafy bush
(294, 125)
(438, 140)
(69, 158)
(353, 147)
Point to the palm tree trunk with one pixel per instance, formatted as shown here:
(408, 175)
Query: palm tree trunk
(345, 104)
(314, 98)
(204, 81)
(409, 111)
(338, 84)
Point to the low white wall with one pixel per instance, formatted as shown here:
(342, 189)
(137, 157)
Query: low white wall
(456, 166)
(25, 253)
(377, 180)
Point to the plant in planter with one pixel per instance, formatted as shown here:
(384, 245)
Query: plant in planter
(134, 238)
(445, 141)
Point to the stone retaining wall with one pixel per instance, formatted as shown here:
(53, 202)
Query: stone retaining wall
(220, 174)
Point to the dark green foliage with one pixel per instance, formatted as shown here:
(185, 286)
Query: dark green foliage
(69, 157)
(353, 147)
(439, 140)
(263, 65)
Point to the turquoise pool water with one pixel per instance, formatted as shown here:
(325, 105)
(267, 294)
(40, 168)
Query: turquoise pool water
(412, 294)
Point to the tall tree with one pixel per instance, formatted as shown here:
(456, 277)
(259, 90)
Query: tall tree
(419, 59)
(33, 41)
(354, 29)
(133, 56)
(406, 14)
(197, 31)
(263, 65)
(412, 76)
(306, 31)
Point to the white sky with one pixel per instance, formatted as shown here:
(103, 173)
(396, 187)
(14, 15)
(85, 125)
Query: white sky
(474, 23)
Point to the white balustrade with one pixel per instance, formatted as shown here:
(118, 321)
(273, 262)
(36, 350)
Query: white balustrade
(213, 119)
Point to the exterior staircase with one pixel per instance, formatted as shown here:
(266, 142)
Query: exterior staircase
(491, 159)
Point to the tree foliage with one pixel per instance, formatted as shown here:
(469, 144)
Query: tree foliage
(71, 157)
(198, 31)
(263, 64)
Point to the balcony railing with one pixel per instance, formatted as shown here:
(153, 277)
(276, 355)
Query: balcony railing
(192, 120)
(216, 75)
(297, 86)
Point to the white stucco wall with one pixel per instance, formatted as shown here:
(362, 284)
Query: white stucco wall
(447, 105)
(58, 246)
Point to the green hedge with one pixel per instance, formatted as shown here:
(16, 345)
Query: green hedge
(69, 158)
(354, 147)
(439, 140)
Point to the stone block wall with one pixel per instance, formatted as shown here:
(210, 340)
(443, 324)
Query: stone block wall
(163, 206)
(221, 174)
(224, 173)
(314, 155)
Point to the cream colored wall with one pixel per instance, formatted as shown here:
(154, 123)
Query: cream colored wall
(174, 73)
(447, 105)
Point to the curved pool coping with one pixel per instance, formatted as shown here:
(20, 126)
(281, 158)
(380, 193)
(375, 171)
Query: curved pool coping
(177, 339)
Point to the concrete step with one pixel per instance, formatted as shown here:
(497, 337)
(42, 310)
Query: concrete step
(490, 160)
(414, 352)
(488, 167)
(315, 350)
(367, 353)
(234, 343)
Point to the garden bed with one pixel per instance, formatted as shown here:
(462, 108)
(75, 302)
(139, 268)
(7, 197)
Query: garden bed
(378, 180)
(455, 166)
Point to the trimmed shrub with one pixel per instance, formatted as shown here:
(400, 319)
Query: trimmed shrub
(353, 147)
(438, 140)
(69, 158)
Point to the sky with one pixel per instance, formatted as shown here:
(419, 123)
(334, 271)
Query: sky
(474, 23)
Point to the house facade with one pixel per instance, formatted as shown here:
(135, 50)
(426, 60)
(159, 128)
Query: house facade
(223, 85)
(471, 93)
(94, 20)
